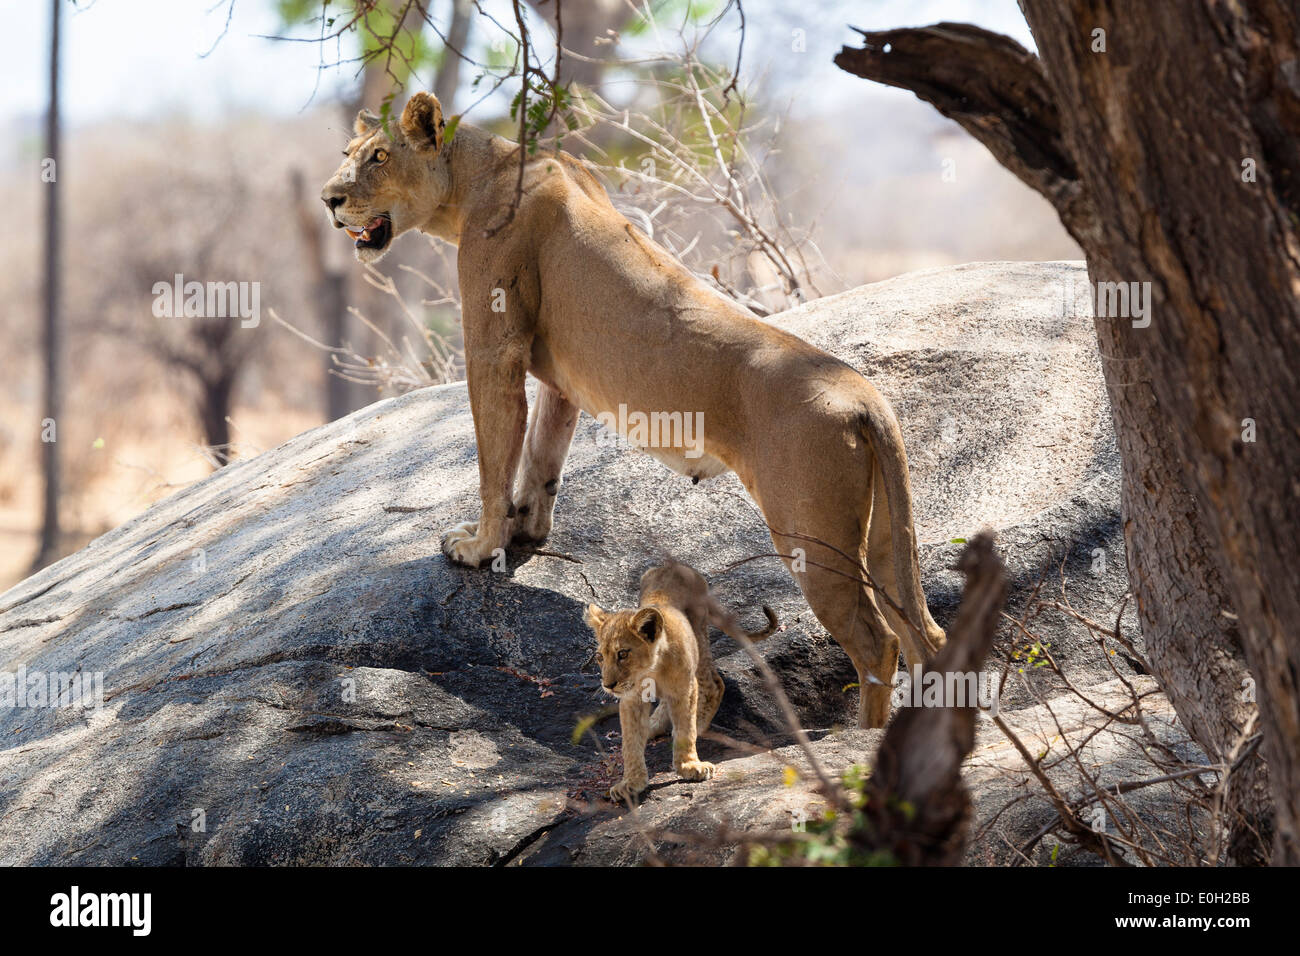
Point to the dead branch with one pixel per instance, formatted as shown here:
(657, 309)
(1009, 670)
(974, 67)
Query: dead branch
(994, 88)
(916, 808)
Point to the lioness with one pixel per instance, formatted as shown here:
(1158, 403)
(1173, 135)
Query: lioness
(661, 651)
(555, 282)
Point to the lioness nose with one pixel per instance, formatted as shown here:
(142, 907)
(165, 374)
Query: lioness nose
(331, 201)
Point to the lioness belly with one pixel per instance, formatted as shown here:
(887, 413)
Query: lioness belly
(676, 439)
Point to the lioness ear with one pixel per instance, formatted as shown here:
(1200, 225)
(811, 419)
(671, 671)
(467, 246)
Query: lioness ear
(366, 121)
(648, 623)
(422, 122)
(594, 617)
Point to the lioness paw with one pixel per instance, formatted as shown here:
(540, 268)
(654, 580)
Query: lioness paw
(695, 770)
(534, 505)
(531, 525)
(464, 546)
(627, 790)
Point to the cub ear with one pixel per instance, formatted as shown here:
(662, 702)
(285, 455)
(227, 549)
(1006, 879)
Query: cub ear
(366, 121)
(422, 122)
(594, 617)
(648, 623)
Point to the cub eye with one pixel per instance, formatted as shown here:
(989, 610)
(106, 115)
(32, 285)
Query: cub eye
(622, 655)
(381, 156)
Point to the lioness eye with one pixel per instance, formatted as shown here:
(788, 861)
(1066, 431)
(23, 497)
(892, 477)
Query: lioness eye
(381, 155)
(622, 655)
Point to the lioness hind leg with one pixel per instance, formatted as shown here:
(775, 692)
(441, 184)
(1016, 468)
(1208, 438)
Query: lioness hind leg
(830, 581)
(550, 432)
(850, 614)
(881, 563)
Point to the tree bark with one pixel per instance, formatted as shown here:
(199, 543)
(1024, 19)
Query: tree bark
(1171, 155)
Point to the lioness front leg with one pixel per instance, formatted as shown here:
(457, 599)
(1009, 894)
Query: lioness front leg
(634, 720)
(686, 761)
(547, 445)
(500, 409)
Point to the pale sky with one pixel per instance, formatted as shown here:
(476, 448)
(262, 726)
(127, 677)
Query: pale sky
(138, 58)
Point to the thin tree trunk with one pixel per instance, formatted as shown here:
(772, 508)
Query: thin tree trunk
(1168, 143)
(214, 411)
(328, 292)
(50, 533)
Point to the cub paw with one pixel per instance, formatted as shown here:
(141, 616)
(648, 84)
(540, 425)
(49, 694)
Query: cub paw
(464, 546)
(627, 790)
(695, 770)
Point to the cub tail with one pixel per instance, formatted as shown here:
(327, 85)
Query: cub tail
(728, 622)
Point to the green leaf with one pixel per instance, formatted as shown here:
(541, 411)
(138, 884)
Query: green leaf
(583, 725)
(385, 111)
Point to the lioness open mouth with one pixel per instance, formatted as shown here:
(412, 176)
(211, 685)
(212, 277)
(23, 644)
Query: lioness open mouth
(376, 234)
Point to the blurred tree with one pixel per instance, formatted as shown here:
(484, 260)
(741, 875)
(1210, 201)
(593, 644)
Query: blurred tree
(591, 31)
(329, 291)
(49, 545)
(211, 347)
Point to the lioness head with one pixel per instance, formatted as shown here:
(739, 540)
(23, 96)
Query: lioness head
(625, 645)
(386, 184)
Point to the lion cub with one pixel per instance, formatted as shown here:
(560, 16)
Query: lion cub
(661, 651)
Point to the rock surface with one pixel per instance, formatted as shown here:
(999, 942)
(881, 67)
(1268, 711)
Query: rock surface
(293, 674)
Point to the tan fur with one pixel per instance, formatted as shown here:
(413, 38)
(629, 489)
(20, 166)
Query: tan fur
(602, 316)
(661, 651)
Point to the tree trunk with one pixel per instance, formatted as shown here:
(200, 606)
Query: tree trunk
(214, 410)
(49, 545)
(1166, 137)
(586, 29)
(447, 80)
(328, 292)
(1194, 649)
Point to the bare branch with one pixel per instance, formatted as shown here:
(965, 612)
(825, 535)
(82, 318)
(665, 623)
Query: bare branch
(994, 88)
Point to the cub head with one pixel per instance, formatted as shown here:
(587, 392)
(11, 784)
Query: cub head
(387, 184)
(625, 645)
